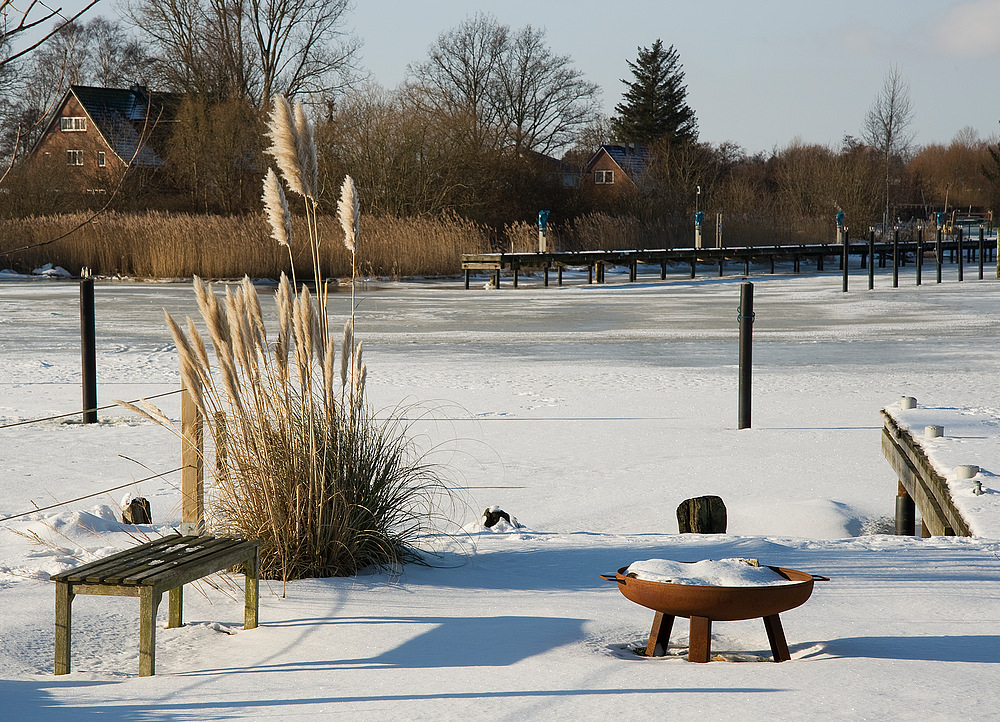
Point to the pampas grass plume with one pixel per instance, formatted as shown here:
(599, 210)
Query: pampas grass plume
(308, 156)
(285, 143)
(276, 206)
(349, 211)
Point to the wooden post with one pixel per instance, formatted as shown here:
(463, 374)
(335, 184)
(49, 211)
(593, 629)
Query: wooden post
(251, 590)
(745, 317)
(938, 254)
(663, 270)
(844, 260)
(702, 515)
(961, 257)
(193, 463)
(88, 350)
(871, 259)
(906, 508)
(468, 273)
(895, 258)
(546, 276)
(920, 253)
(694, 263)
(559, 271)
(982, 249)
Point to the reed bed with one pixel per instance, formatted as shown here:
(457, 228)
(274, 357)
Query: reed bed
(176, 245)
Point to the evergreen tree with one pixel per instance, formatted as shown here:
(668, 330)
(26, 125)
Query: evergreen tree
(654, 108)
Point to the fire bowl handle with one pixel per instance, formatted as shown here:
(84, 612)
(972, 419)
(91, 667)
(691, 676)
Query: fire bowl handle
(611, 578)
(819, 578)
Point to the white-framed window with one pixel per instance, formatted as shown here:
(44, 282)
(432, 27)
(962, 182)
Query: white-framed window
(101, 159)
(604, 177)
(74, 157)
(70, 122)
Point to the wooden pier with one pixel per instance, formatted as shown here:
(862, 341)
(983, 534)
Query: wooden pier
(816, 254)
(921, 486)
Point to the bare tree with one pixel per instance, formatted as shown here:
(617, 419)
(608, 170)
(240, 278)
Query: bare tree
(542, 100)
(22, 23)
(886, 127)
(509, 86)
(250, 49)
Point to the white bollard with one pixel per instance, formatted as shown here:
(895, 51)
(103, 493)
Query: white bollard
(966, 471)
(907, 402)
(933, 432)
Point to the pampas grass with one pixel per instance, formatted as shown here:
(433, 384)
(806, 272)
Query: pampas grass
(302, 466)
(305, 467)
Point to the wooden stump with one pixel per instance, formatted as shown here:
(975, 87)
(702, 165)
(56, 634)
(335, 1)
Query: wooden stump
(702, 515)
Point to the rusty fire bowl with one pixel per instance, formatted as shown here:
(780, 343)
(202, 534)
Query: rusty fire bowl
(721, 604)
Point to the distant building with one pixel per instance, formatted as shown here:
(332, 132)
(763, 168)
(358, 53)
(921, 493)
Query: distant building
(616, 168)
(97, 134)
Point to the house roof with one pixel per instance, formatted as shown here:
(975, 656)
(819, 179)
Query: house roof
(630, 157)
(127, 118)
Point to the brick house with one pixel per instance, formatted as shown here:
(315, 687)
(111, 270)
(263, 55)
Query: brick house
(97, 134)
(613, 169)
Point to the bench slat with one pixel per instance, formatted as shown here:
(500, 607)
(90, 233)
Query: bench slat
(123, 563)
(196, 569)
(195, 558)
(78, 573)
(170, 557)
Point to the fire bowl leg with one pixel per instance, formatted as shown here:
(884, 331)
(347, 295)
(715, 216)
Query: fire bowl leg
(776, 636)
(700, 639)
(659, 635)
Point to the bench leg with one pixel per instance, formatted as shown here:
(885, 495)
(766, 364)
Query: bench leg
(776, 637)
(659, 635)
(64, 626)
(175, 599)
(148, 603)
(251, 591)
(700, 640)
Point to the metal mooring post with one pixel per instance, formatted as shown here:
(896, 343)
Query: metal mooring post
(88, 350)
(745, 316)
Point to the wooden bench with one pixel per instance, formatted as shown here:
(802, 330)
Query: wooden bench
(146, 571)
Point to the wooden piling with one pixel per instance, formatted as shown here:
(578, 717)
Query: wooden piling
(88, 350)
(193, 463)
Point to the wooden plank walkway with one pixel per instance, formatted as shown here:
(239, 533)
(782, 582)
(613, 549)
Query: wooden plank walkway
(818, 254)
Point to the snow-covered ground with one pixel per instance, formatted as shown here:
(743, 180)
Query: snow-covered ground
(589, 413)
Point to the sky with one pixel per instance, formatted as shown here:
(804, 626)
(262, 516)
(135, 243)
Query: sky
(762, 74)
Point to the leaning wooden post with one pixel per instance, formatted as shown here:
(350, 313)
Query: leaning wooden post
(745, 317)
(193, 463)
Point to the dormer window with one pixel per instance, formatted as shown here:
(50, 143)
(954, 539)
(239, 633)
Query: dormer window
(73, 123)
